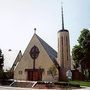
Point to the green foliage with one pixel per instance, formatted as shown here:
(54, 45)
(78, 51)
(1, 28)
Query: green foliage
(1, 60)
(77, 54)
(42, 70)
(52, 70)
(1, 74)
(83, 36)
(82, 83)
(9, 75)
(81, 52)
(3, 77)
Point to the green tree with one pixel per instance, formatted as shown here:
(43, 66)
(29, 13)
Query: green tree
(77, 54)
(1, 60)
(1, 67)
(81, 52)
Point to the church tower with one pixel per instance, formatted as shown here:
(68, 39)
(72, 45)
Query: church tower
(64, 47)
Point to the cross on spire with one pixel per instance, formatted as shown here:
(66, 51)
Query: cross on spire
(34, 30)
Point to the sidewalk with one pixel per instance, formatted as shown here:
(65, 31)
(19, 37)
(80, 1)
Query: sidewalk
(18, 88)
(83, 88)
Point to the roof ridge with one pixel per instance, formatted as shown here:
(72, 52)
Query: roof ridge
(45, 43)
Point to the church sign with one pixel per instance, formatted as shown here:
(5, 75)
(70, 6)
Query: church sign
(69, 74)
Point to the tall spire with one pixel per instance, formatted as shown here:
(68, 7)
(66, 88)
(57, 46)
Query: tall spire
(62, 16)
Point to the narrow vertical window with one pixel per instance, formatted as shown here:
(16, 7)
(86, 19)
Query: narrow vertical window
(62, 55)
(67, 46)
(62, 46)
(58, 44)
(20, 72)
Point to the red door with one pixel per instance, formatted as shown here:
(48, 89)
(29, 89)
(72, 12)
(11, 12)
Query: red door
(30, 76)
(34, 75)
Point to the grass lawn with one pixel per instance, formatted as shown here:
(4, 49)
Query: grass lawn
(82, 83)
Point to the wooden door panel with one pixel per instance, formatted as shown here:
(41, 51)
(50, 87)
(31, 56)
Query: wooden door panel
(34, 75)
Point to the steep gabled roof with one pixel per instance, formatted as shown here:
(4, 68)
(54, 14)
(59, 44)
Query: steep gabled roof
(18, 58)
(50, 51)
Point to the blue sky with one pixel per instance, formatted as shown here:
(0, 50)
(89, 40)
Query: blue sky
(18, 18)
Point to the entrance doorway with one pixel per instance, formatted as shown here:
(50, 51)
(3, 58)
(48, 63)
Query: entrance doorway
(34, 74)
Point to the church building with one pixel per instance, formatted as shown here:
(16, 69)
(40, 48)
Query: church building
(41, 62)
(45, 60)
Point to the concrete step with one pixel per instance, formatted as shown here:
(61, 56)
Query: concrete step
(23, 84)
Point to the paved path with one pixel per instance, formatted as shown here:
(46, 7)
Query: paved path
(17, 88)
(13, 88)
